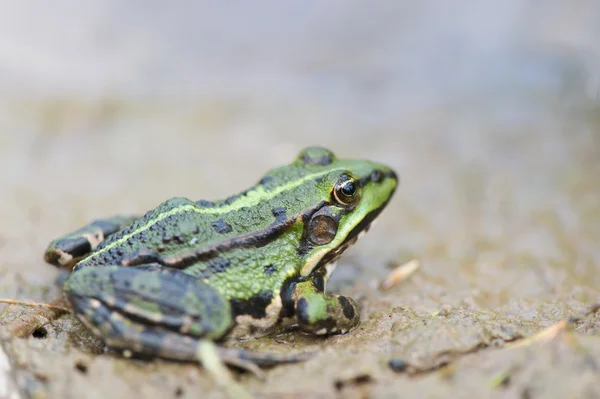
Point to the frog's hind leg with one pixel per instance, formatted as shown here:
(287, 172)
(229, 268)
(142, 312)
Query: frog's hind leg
(65, 251)
(148, 309)
(154, 311)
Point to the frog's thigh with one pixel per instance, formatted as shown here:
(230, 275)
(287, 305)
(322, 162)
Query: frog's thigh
(321, 313)
(66, 251)
(148, 309)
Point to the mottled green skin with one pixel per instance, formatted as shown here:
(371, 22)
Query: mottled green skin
(189, 270)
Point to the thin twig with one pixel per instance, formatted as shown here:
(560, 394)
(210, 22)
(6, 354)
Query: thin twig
(35, 304)
(551, 332)
(27, 323)
(546, 335)
(400, 274)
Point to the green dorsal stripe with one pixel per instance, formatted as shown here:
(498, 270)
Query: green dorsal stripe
(252, 198)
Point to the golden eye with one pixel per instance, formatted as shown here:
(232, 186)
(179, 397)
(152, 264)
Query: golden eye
(346, 192)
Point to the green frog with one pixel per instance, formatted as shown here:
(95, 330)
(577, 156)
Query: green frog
(188, 271)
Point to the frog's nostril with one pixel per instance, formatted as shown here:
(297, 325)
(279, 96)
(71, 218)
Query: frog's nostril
(391, 174)
(376, 176)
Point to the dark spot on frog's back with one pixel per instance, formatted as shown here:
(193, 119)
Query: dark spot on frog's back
(270, 269)
(107, 227)
(218, 265)
(254, 306)
(221, 226)
(234, 198)
(279, 213)
(265, 180)
(205, 204)
(320, 179)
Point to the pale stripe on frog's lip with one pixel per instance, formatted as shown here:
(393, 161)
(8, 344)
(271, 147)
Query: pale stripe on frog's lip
(329, 269)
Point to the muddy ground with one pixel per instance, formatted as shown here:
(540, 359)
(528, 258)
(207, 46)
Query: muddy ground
(490, 115)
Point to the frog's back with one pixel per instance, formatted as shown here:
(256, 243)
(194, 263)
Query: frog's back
(176, 226)
(173, 232)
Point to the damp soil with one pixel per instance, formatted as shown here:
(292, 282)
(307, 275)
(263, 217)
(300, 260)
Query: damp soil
(498, 202)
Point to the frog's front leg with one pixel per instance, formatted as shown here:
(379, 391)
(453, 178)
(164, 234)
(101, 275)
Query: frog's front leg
(321, 313)
(66, 251)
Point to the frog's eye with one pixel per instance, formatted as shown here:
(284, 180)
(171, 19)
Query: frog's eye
(316, 156)
(346, 192)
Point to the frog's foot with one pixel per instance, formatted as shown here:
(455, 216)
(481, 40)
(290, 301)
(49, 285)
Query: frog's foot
(65, 251)
(323, 314)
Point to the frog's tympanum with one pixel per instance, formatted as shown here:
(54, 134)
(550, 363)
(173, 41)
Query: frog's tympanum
(191, 271)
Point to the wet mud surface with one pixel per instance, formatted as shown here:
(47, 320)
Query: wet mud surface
(499, 201)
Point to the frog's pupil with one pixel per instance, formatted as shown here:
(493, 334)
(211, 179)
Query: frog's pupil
(349, 188)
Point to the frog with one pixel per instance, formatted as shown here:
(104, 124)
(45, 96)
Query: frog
(191, 272)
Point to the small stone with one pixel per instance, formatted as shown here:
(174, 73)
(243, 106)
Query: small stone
(397, 365)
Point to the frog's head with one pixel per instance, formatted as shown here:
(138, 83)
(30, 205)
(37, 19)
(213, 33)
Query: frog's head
(341, 198)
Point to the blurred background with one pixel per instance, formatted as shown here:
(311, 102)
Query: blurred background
(489, 111)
